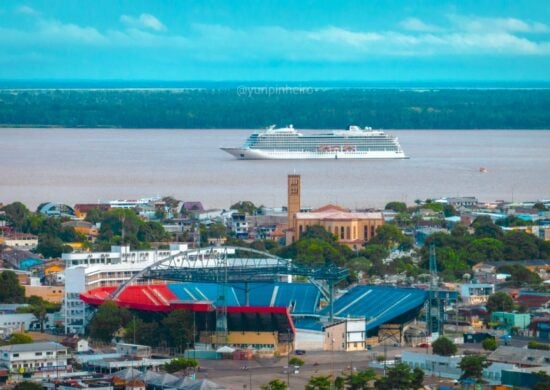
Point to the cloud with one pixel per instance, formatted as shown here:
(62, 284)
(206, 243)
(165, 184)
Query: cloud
(223, 43)
(415, 24)
(342, 36)
(485, 24)
(26, 10)
(143, 21)
(68, 32)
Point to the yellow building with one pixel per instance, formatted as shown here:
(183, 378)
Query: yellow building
(351, 228)
(53, 294)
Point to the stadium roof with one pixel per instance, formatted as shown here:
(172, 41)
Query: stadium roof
(379, 304)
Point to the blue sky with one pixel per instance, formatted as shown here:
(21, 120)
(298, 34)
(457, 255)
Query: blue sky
(276, 40)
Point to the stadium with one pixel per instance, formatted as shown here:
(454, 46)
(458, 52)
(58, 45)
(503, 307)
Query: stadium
(247, 299)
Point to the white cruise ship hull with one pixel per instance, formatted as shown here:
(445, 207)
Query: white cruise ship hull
(265, 154)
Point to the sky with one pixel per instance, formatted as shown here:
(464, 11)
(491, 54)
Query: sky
(285, 40)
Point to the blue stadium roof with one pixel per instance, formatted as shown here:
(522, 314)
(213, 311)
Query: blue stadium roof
(299, 298)
(379, 304)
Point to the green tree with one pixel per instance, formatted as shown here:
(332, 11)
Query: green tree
(275, 384)
(360, 380)
(449, 211)
(20, 338)
(519, 245)
(26, 385)
(296, 361)
(417, 380)
(398, 377)
(141, 332)
(95, 215)
(472, 366)
(444, 347)
(520, 275)
(11, 291)
(180, 364)
(179, 326)
(485, 249)
(320, 382)
(398, 207)
(484, 227)
(543, 382)
(540, 206)
(16, 214)
(108, 319)
(217, 230)
(489, 344)
(389, 235)
(51, 246)
(499, 301)
(245, 207)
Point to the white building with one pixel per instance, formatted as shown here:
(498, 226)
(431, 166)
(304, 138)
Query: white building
(86, 271)
(346, 335)
(476, 293)
(20, 240)
(447, 366)
(39, 359)
(17, 322)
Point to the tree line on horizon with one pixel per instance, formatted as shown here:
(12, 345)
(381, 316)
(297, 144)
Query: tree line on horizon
(257, 108)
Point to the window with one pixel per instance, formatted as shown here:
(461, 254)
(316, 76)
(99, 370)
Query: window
(15, 355)
(38, 354)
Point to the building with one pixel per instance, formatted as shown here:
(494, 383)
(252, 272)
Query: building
(136, 350)
(521, 357)
(86, 271)
(346, 335)
(476, 293)
(351, 228)
(294, 188)
(511, 320)
(37, 359)
(53, 294)
(447, 366)
(18, 322)
(239, 225)
(24, 241)
(51, 209)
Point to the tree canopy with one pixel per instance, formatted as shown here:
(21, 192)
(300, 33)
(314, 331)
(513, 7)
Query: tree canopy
(472, 366)
(11, 291)
(444, 347)
(107, 320)
(499, 301)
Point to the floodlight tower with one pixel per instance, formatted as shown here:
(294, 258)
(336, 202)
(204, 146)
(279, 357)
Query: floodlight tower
(434, 315)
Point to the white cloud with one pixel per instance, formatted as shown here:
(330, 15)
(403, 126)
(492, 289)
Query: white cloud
(217, 43)
(342, 36)
(143, 21)
(26, 10)
(415, 24)
(69, 32)
(484, 24)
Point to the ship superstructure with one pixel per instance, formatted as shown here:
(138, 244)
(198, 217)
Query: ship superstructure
(288, 143)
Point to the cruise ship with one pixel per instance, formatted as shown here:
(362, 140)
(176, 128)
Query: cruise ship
(287, 143)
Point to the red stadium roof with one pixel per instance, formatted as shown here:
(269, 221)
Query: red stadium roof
(159, 298)
(154, 297)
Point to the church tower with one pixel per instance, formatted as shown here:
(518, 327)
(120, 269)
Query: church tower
(293, 204)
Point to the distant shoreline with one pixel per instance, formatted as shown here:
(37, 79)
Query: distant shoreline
(259, 106)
